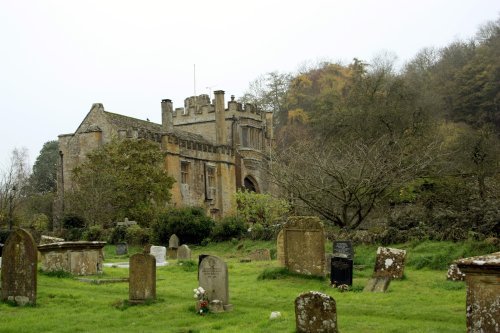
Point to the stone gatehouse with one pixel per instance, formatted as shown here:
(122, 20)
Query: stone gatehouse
(210, 150)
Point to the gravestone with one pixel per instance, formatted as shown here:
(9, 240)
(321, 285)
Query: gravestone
(126, 223)
(341, 271)
(377, 285)
(328, 263)
(482, 275)
(19, 268)
(454, 273)
(213, 277)
(184, 253)
(142, 278)
(304, 244)
(280, 249)
(343, 248)
(121, 249)
(389, 263)
(147, 248)
(159, 252)
(260, 255)
(173, 245)
(315, 312)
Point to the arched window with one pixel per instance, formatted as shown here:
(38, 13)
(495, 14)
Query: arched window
(250, 184)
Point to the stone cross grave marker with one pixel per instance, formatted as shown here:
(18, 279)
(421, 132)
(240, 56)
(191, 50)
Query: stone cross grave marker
(304, 244)
(315, 312)
(142, 278)
(389, 263)
(213, 277)
(184, 252)
(280, 249)
(121, 249)
(126, 223)
(341, 271)
(19, 268)
(159, 252)
(343, 248)
(260, 255)
(482, 275)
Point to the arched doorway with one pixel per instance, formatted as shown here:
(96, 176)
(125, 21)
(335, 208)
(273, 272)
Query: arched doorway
(250, 184)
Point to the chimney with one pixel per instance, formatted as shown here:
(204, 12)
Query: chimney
(220, 118)
(166, 115)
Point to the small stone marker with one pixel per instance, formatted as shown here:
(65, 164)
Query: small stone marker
(390, 263)
(280, 249)
(343, 248)
(213, 277)
(341, 271)
(304, 240)
(121, 249)
(377, 285)
(260, 255)
(159, 252)
(454, 273)
(482, 275)
(315, 312)
(173, 242)
(184, 252)
(19, 269)
(142, 278)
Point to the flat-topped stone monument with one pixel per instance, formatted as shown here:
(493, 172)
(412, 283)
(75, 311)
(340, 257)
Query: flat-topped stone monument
(19, 269)
(213, 277)
(304, 245)
(184, 252)
(389, 263)
(78, 258)
(142, 278)
(482, 275)
(315, 312)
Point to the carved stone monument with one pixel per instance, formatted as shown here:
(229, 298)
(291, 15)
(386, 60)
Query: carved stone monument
(213, 277)
(315, 312)
(482, 275)
(19, 268)
(142, 278)
(304, 244)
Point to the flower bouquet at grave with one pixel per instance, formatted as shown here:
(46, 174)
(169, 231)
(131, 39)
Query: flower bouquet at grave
(201, 301)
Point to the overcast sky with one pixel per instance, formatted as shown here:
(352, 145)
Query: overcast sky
(59, 56)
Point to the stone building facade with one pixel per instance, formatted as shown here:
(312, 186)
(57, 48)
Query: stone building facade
(210, 150)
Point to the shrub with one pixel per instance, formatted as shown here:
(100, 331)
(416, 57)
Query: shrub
(71, 221)
(190, 224)
(228, 228)
(40, 222)
(136, 235)
(118, 235)
(94, 233)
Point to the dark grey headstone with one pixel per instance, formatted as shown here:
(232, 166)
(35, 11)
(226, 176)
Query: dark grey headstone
(343, 248)
(121, 249)
(341, 271)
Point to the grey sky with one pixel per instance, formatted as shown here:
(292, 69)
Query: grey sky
(60, 56)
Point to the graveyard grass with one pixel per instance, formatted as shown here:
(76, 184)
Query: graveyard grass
(423, 301)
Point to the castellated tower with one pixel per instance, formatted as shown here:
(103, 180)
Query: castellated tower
(210, 150)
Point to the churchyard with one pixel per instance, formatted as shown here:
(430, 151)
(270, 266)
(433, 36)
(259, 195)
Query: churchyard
(422, 301)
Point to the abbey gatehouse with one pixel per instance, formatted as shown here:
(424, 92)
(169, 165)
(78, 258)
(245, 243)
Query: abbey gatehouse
(211, 149)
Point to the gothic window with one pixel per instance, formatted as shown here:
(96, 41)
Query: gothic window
(210, 185)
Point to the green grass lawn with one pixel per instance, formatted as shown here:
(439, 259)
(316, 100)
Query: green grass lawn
(422, 302)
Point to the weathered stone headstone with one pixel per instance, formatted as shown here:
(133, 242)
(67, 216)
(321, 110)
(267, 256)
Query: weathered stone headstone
(184, 253)
(304, 244)
(213, 277)
(315, 312)
(159, 252)
(19, 268)
(172, 253)
(280, 248)
(260, 255)
(173, 242)
(390, 263)
(377, 285)
(341, 271)
(49, 240)
(142, 278)
(121, 249)
(454, 273)
(482, 275)
(343, 248)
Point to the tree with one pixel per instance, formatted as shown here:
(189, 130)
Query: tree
(44, 176)
(122, 179)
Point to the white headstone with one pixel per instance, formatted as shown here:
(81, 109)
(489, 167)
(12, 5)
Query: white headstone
(159, 252)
